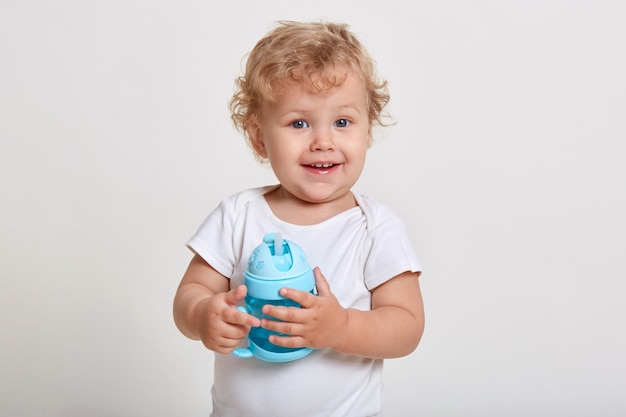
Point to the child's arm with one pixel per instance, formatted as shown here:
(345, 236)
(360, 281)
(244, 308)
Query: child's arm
(393, 327)
(205, 308)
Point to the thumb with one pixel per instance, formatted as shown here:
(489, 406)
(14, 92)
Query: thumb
(323, 287)
(234, 296)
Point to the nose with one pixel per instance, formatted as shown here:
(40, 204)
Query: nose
(322, 140)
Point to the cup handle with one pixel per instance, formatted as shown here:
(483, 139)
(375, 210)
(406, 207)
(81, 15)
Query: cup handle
(243, 352)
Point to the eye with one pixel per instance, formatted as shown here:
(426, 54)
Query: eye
(299, 124)
(342, 123)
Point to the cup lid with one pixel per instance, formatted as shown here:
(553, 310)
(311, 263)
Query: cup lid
(277, 258)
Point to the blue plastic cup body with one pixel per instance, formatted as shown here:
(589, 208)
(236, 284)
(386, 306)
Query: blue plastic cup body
(260, 336)
(260, 293)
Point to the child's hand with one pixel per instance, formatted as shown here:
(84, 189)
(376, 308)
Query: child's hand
(222, 327)
(321, 322)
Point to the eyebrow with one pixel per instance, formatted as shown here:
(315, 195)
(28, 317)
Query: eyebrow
(351, 107)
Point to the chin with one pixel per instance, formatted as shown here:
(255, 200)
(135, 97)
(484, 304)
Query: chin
(324, 197)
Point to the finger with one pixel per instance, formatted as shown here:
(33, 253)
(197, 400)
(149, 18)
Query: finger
(301, 297)
(237, 317)
(288, 341)
(283, 327)
(226, 345)
(285, 314)
(234, 296)
(232, 335)
(323, 287)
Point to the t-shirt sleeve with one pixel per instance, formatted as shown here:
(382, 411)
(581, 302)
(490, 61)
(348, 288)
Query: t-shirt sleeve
(213, 239)
(391, 252)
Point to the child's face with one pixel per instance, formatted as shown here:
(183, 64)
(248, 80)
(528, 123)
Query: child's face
(316, 141)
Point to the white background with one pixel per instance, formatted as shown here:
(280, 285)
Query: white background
(507, 162)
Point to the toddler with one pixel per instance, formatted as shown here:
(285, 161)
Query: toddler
(306, 104)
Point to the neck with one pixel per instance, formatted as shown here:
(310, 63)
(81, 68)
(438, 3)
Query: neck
(293, 210)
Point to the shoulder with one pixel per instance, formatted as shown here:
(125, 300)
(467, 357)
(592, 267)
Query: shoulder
(236, 202)
(375, 212)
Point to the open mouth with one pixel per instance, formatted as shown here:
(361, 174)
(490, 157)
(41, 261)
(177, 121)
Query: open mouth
(321, 168)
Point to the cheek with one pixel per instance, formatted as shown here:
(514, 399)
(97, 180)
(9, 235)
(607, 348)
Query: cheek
(279, 157)
(359, 151)
(282, 150)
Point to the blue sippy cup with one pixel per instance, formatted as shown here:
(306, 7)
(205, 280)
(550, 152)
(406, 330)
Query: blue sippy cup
(274, 264)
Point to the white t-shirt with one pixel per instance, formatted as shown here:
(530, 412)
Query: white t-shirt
(356, 250)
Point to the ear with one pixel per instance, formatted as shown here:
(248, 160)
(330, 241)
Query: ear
(255, 136)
